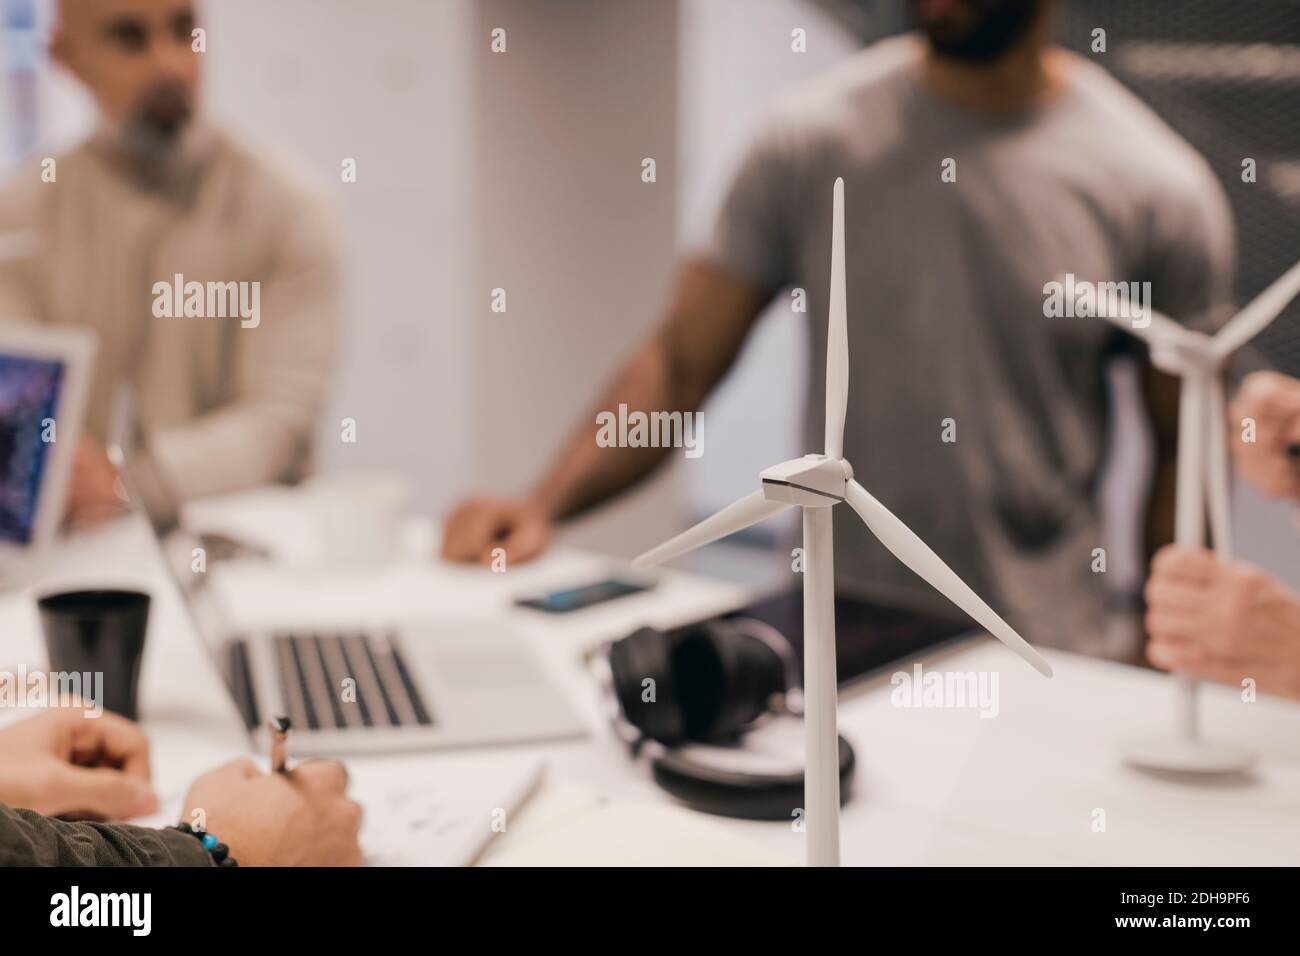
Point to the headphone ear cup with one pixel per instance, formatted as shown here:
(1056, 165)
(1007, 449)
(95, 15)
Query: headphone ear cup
(724, 680)
(698, 682)
(752, 674)
(746, 796)
(647, 653)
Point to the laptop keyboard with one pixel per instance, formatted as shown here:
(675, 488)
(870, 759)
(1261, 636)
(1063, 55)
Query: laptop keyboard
(313, 669)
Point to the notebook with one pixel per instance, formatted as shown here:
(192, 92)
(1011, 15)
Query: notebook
(423, 812)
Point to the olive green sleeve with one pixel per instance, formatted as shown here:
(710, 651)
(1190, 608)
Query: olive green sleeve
(29, 839)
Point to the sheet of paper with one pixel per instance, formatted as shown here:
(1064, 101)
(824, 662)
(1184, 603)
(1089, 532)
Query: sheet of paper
(443, 813)
(637, 834)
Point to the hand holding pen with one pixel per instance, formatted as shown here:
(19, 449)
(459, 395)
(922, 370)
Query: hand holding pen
(279, 727)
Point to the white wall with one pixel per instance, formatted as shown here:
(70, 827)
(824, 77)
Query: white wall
(735, 58)
(383, 83)
(581, 245)
(66, 111)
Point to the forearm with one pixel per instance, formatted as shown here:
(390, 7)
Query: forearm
(710, 313)
(241, 445)
(260, 429)
(233, 448)
(585, 474)
(264, 432)
(29, 839)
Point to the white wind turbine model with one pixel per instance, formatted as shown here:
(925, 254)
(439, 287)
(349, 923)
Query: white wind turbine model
(1202, 475)
(816, 483)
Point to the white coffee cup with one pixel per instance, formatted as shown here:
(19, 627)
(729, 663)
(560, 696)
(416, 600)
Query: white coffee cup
(359, 517)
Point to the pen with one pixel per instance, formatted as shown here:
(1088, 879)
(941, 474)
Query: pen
(279, 727)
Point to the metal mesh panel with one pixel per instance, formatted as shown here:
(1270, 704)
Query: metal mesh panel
(1226, 76)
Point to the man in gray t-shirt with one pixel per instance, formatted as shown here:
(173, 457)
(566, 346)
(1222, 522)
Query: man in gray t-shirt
(946, 305)
(980, 164)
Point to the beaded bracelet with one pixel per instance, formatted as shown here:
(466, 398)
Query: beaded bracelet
(220, 852)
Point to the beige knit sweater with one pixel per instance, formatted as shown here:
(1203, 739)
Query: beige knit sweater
(223, 403)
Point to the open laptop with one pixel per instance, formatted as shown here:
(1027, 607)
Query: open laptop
(381, 686)
(44, 371)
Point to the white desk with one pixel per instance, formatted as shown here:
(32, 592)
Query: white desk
(932, 786)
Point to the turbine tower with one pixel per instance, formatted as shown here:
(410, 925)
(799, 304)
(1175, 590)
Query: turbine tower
(816, 483)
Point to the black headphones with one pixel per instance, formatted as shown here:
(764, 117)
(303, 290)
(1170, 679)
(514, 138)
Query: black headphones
(710, 683)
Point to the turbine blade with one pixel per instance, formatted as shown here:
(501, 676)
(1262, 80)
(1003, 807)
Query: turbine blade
(749, 510)
(837, 337)
(916, 554)
(1165, 327)
(1255, 317)
(1162, 328)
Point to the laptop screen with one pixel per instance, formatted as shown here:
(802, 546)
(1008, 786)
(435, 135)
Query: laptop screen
(29, 398)
(228, 652)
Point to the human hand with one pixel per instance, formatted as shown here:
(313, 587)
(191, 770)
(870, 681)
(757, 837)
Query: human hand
(64, 763)
(1272, 461)
(1222, 621)
(95, 491)
(477, 526)
(299, 818)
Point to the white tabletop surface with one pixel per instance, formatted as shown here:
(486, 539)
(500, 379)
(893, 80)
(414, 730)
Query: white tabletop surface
(933, 786)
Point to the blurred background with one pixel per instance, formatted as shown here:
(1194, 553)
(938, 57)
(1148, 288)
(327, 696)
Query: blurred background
(522, 172)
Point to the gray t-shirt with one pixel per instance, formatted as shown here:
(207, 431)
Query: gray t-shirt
(946, 309)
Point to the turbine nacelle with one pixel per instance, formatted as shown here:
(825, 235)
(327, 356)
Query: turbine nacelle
(813, 481)
(1184, 352)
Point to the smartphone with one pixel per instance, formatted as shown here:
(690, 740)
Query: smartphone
(575, 599)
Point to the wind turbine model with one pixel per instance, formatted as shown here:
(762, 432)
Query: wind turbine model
(816, 483)
(1202, 475)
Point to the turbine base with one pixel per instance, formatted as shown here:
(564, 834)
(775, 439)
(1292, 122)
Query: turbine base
(1190, 755)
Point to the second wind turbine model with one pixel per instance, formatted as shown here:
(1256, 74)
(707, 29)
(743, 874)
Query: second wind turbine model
(816, 483)
(1202, 477)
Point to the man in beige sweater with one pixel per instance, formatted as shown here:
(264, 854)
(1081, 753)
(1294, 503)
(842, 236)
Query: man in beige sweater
(211, 276)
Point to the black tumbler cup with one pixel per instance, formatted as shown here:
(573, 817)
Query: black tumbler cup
(98, 632)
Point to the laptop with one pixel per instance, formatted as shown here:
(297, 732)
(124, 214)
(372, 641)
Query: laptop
(44, 371)
(377, 687)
